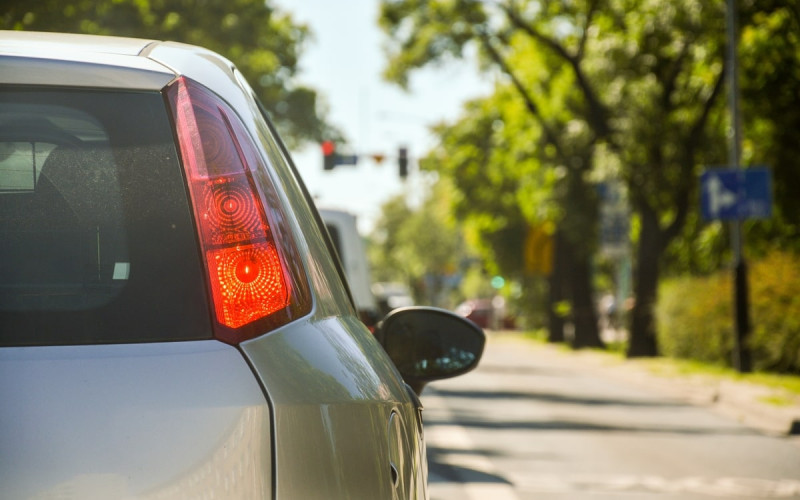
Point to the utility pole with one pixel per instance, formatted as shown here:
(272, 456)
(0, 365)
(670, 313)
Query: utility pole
(741, 356)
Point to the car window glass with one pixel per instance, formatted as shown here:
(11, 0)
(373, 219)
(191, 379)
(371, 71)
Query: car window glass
(96, 238)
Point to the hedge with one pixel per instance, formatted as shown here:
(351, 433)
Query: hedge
(695, 315)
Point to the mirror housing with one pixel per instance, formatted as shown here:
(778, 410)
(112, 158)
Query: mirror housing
(428, 343)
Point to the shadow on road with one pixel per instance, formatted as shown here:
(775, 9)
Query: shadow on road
(557, 398)
(463, 416)
(459, 474)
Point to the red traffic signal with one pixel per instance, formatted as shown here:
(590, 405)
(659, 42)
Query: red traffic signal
(331, 159)
(328, 155)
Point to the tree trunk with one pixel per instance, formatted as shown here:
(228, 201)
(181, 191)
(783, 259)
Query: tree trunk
(576, 278)
(584, 314)
(580, 227)
(557, 291)
(643, 326)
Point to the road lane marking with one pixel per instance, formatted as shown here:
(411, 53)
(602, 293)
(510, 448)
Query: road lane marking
(740, 487)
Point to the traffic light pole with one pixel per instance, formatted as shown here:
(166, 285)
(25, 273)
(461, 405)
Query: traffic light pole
(402, 162)
(741, 355)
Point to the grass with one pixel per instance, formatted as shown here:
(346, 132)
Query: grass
(790, 384)
(671, 367)
(538, 335)
(776, 400)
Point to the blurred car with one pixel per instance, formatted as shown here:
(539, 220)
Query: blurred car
(484, 313)
(173, 323)
(391, 295)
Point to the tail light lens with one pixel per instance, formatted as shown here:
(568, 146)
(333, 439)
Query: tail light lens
(254, 274)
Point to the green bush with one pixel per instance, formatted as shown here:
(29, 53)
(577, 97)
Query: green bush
(775, 311)
(695, 317)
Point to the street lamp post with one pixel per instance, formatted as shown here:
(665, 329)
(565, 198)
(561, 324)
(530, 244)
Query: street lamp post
(741, 356)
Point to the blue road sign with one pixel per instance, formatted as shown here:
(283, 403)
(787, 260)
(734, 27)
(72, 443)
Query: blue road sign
(735, 194)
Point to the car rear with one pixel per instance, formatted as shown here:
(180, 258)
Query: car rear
(151, 235)
(111, 383)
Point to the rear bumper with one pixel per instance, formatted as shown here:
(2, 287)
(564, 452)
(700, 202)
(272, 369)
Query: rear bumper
(171, 420)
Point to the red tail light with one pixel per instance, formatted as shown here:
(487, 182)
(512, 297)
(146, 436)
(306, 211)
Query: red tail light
(254, 278)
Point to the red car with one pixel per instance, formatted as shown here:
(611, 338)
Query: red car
(482, 311)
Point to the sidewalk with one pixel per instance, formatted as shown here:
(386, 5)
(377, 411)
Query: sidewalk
(745, 402)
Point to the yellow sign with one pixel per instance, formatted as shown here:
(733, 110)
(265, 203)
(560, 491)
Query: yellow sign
(538, 251)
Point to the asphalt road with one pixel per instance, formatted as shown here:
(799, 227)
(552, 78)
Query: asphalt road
(533, 424)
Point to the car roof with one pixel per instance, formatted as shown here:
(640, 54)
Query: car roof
(27, 41)
(33, 58)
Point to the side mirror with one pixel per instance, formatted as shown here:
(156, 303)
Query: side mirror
(427, 344)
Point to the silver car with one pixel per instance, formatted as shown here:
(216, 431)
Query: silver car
(172, 321)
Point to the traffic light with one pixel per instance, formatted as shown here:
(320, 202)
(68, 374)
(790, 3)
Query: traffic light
(328, 155)
(402, 162)
(331, 159)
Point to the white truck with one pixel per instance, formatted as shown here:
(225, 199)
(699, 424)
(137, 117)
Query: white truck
(349, 245)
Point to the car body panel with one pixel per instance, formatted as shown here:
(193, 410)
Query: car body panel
(148, 76)
(347, 393)
(143, 421)
(65, 43)
(79, 61)
(325, 391)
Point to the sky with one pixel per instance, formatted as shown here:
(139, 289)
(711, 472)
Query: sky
(343, 61)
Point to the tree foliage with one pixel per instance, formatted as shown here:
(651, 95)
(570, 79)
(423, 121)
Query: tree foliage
(421, 248)
(664, 83)
(263, 42)
(769, 49)
(426, 32)
(643, 101)
(487, 198)
(770, 91)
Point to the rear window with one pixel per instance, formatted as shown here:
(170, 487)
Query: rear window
(97, 243)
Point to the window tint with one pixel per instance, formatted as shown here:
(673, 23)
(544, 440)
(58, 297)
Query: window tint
(96, 238)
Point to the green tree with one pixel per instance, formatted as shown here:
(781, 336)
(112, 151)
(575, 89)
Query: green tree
(424, 32)
(420, 247)
(263, 42)
(384, 243)
(769, 57)
(662, 65)
(647, 76)
(491, 156)
(666, 80)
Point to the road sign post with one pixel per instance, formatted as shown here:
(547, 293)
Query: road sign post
(736, 194)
